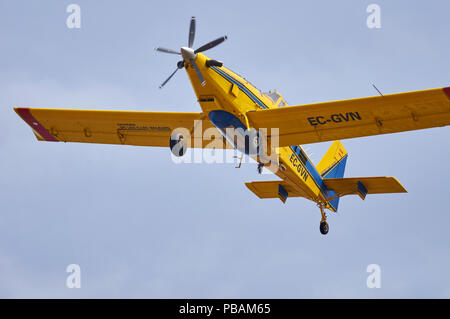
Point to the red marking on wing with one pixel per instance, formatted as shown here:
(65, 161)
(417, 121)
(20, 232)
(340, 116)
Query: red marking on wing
(447, 91)
(25, 114)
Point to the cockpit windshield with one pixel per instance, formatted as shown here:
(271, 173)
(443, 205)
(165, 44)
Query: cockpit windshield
(274, 96)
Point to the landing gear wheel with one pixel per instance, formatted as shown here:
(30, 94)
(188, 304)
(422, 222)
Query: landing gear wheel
(178, 145)
(323, 228)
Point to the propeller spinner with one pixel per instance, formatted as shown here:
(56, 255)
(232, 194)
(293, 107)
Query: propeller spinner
(188, 54)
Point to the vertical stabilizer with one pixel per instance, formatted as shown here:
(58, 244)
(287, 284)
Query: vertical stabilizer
(332, 165)
(331, 162)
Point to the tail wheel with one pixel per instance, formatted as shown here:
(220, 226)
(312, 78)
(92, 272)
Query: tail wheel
(323, 228)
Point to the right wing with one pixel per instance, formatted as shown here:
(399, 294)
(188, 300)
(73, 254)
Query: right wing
(117, 127)
(339, 120)
(364, 185)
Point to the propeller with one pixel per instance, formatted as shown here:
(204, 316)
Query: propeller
(211, 44)
(190, 54)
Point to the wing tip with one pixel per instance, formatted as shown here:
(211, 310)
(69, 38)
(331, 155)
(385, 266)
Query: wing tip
(20, 110)
(39, 130)
(402, 188)
(447, 91)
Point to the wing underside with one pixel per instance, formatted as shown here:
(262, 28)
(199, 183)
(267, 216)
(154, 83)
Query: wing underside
(344, 119)
(118, 127)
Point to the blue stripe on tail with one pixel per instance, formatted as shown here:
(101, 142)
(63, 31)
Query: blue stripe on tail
(336, 172)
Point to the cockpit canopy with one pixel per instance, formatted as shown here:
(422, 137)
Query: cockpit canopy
(276, 98)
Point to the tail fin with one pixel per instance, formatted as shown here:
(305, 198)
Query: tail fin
(332, 165)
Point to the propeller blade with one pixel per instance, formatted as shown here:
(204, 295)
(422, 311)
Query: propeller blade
(167, 80)
(160, 49)
(191, 32)
(211, 44)
(199, 74)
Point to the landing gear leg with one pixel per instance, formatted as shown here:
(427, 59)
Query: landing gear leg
(323, 223)
(260, 168)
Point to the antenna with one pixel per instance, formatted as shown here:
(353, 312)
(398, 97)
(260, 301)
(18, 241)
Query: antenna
(377, 90)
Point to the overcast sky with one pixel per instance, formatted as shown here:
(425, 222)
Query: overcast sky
(141, 226)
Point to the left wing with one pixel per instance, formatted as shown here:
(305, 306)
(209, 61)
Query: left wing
(269, 189)
(339, 120)
(117, 127)
(275, 189)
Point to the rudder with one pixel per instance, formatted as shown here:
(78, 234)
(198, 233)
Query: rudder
(332, 165)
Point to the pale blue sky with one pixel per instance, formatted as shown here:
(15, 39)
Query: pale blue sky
(142, 226)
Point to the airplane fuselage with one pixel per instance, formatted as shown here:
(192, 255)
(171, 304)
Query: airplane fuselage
(227, 91)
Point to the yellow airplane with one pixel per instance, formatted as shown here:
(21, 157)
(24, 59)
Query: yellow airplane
(228, 100)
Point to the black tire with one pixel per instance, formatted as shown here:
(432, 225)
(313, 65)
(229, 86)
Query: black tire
(323, 228)
(178, 145)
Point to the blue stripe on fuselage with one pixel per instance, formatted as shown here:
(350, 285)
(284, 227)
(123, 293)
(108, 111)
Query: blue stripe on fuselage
(241, 86)
(315, 175)
(312, 171)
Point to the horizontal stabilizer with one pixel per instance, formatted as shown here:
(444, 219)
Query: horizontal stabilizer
(364, 185)
(274, 189)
